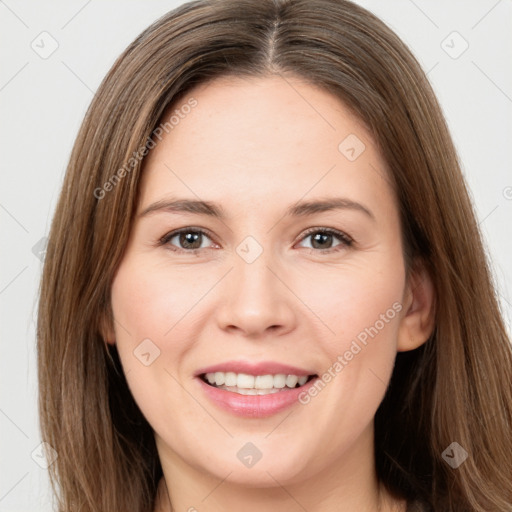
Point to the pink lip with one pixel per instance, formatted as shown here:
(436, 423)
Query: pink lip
(254, 406)
(261, 368)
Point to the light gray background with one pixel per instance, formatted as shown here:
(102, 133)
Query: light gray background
(43, 100)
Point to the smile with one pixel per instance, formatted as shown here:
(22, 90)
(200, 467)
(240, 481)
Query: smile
(245, 384)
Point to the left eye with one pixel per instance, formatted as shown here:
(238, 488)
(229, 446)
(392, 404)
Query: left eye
(322, 239)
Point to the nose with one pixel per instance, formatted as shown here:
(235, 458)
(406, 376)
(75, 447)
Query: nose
(257, 299)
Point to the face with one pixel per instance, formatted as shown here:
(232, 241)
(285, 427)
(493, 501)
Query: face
(293, 268)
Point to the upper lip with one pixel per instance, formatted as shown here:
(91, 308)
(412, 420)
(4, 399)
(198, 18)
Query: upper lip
(250, 368)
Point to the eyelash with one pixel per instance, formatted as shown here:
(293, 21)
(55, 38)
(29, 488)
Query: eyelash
(344, 238)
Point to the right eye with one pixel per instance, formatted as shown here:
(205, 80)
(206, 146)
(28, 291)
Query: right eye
(190, 240)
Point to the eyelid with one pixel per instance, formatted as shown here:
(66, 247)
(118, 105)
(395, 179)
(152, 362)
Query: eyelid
(346, 239)
(171, 234)
(344, 236)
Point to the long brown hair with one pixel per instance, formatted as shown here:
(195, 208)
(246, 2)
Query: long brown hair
(457, 387)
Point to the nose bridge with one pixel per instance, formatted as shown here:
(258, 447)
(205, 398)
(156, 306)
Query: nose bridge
(256, 299)
(252, 273)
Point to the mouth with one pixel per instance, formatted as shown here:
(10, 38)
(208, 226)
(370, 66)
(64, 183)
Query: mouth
(246, 384)
(252, 389)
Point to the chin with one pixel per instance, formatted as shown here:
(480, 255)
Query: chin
(257, 473)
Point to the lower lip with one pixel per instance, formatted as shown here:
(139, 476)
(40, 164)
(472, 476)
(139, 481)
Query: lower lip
(254, 406)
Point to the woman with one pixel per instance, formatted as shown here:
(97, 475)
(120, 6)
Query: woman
(187, 361)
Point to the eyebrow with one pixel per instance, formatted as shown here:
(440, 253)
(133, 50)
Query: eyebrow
(300, 209)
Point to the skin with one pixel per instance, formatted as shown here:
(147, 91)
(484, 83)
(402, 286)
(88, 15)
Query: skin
(256, 147)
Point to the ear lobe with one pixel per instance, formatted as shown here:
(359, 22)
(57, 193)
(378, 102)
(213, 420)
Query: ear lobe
(418, 322)
(106, 327)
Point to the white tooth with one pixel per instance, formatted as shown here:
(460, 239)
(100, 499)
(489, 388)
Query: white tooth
(267, 391)
(279, 381)
(264, 382)
(291, 381)
(243, 391)
(303, 380)
(230, 379)
(245, 381)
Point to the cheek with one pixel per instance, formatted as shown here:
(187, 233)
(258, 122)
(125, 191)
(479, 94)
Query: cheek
(366, 310)
(362, 309)
(147, 309)
(162, 304)
(150, 302)
(361, 301)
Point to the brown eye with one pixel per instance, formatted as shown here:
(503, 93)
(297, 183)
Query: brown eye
(185, 240)
(189, 240)
(323, 239)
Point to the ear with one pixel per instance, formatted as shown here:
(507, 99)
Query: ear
(418, 321)
(106, 326)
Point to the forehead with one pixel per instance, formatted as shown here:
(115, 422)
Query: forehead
(260, 139)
